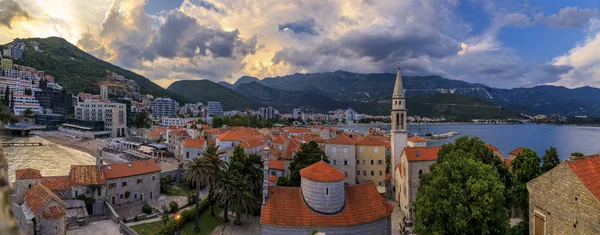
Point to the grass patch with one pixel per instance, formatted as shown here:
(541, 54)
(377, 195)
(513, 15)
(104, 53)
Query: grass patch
(207, 224)
(180, 189)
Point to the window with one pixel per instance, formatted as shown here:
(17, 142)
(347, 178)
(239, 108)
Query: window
(99, 191)
(29, 185)
(124, 184)
(372, 162)
(135, 196)
(139, 181)
(357, 172)
(76, 193)
(153, 177)
(379, 162)
(379, 183)
(357, 162)
(372, 173)
(326, 191)
(55, 227)
(539, 225)
(187, 155)
(364, 162)
(360, 149)
(376, 149)
(380, 173)
(333, 149)
(346, 173)
(365, 173)
(345, 162)
(345, 150)
(112, 185)
(150, 194)
(121, 196)
(334, 162)
(420, 173)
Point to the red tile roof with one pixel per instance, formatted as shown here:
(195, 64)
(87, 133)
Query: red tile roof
(516, 151)
(130, 169)
(196, 143)
(417, 139)
(292, 147)
(277, 165)
(53, 212)
(234, 135)
(371, 141)
(153, 133)
(86, 175)
(285, 207)
(57, 182)
(492, 147)
(278, 140)
(272, 178)
(341, 139)
(28, 173)
(322, 172)
(252, 143)
(507, 161)
(422, 153)
(587, 169)
(38, 195)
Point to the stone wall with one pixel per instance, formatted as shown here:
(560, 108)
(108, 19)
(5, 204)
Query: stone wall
(21, 186)
(568, 206)
(326, 197)
(379, 227)
(337, 160)
(111, 213)
(51, 226)
(126, 229)
(148, 189)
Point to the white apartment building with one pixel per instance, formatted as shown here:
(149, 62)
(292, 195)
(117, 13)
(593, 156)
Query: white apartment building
(17, 85)
(164, 107)
(175, 121)
(114, 115)
(24, 102)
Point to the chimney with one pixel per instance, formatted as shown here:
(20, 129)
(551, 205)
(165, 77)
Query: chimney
(99, 160)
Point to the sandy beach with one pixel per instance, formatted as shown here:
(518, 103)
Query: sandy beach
(90, 147)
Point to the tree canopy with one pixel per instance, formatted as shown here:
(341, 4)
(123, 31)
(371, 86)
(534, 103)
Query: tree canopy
(309, 154)
(550, 159)
(461, 195)
(525, 167)
(577, 154)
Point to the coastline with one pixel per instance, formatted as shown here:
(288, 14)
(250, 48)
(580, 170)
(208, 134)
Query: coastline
(90, 147)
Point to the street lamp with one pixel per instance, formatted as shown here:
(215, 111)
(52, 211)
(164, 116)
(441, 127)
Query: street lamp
(177, 218)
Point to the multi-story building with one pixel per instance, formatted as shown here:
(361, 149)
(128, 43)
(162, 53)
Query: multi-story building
(59, 101)
(164, 107)
(350, 115)
(190, 110)
(342, 155)
(128, 109)
(213, 109)
(323, 203)
(51, 121)
(25, 102)
(114, 115)
(193, 148)
(268, 113)
(6, 63)
(370, 160)
(175, 121)
(17, 85)
(132, 181)
(297, 113)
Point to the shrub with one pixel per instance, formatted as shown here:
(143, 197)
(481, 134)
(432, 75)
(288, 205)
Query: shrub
(165, 184)
(127, 193)
(147, 209)
(174, 207)
(186, 217)
(191, 198)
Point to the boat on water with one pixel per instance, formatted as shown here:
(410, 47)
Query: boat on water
(445, 135)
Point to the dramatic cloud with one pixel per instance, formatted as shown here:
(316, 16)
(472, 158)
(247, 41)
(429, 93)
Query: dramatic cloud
(300, 27)
(555, 69)
(569, 17)
(11, 11)
(206, 5)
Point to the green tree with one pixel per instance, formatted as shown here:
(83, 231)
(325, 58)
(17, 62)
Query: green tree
(198, 172)
(550, 159)
(241, 198)
(212, 154)
(6, 96)
(27, 112)
(142, 120)
(216, 122)
(238, 160)
(28, 91)
(283, 181)
(525, 167)
(577, 154)
(12, 100)
(460, 195)
(309, 154)
(223, 189)
(165, 218)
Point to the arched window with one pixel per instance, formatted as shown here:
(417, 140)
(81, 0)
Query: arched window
(420, 173)
(326, 191)
(402, 121)
(397, 119)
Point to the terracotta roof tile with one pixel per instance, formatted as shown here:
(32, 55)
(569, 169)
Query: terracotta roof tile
(341, 139)
(196, 143)
(278, 140)
(272, 178)
(130, 169)
(371, 141)
(252, 143)
(234, 135)
(277, 164)
(422, 153)
(492, 147)
(53, 212)
(587, 169)
(291, 148)
(516, 151)
(28, 173)
(507, 161)
(57, 182)
(322, 172)
(285, 207)
(417, 139)
(153, 133)
(38, 195)
(86, 175)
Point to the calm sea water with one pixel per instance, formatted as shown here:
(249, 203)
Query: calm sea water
(566, 139)
(51, 159)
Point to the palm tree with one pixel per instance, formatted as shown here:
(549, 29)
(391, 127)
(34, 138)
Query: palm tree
(212, 155)
(223, 188)
(198, 172)
(241, 198)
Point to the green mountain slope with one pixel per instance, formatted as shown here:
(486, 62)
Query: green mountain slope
(205, 90)
(456, 107)
(77, 70)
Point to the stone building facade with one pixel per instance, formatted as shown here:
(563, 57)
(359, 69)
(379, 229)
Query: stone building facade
(133, 181)
(341, 152)
(371, 160)
(42, 212)
(566, 199)
(323, 202)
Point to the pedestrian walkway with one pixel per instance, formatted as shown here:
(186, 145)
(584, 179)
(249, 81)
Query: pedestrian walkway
(100, 227)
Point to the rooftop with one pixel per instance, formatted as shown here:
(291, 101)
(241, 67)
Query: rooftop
(57, 182)
(197, 143)
(422, 153)
(285, 207)
(516, 151)
(417, 139)
(130, 169)
(372, 141)
(322, 172)
(86, 175)
(587, 169)
(38, 196)
(28, 173)
(341, 139)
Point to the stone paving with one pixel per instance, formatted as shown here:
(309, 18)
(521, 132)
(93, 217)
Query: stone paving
(249, 226)
(397, 217)
(100, 227)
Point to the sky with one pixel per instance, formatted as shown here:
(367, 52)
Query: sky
(502, 43)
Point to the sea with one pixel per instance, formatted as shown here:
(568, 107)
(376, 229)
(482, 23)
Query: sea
(51, 159)
(506, 137)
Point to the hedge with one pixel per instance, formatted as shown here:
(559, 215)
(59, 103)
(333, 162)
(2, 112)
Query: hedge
(186, 216)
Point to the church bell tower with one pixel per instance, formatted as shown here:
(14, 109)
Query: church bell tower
(399, 129)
